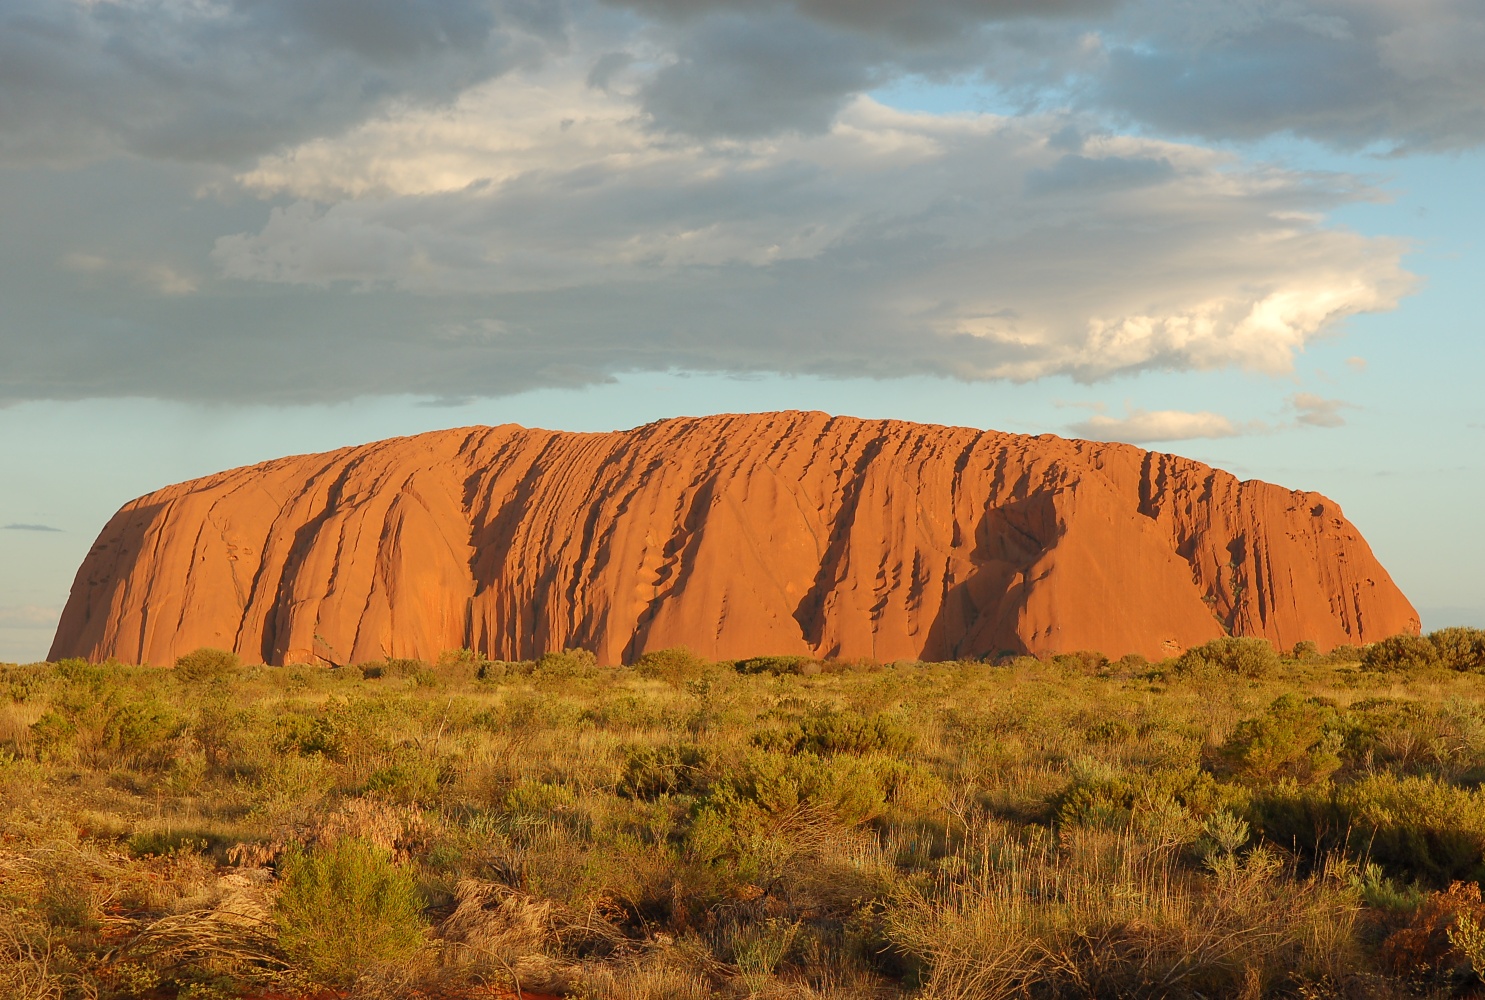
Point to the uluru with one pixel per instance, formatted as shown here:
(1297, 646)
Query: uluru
(733, 535)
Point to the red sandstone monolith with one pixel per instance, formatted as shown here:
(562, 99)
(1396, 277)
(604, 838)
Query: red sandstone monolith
(738, 535)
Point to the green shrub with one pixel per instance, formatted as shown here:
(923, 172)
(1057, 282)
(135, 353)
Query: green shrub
(827, 733)
(207, 664)
(107, 726)
(53, 736)
(1083, 662)
(1109, 731)
(539, 801)
(567, 663)
(1296, 738)
(771, 784)
(1400, 653)
(1418, 829)
(1244, 657)
(346, 907)
(670, 769)
(460, 665)
(778, 665)
(138, 733)
(676, 665)
(1460, 648)
(401, 666)
(1110, 798)
(412, 778)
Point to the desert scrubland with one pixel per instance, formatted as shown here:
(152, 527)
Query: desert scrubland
(1231, 822)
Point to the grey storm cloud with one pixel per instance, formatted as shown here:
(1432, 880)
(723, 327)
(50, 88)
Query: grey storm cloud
(1400, 73)
(1074, 171)
(737, 75)
(224, 80)
(279, 201)
(926, 21)
(220, 81)
(896, 244)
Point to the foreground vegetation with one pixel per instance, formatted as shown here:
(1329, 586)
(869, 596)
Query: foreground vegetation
(1231, 823)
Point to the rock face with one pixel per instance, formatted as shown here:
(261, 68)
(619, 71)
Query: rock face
(733, 535)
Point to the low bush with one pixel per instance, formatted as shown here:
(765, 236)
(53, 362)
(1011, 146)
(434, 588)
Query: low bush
(1243, 657)
(778, 665)
(668, 769)
(1083, 661)
(676, 665)
(826, 733)
(1417, 829)
(346, 908)
(1400, 653)
(1298, 739)
(1460, 648)
(207, 664)
(566, 663)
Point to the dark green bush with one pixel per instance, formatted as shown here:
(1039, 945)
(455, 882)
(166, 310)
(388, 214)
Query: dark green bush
(138, 733)
(1244, 657)
(1460, 648)
(778, 665)
(1111, 800)
(1400, 653)
(826, 733)
(1110, 731)
(1296, 738)
(1419, 829)
(207, 664)
(102, 726)
(670, 769)
(346, 907)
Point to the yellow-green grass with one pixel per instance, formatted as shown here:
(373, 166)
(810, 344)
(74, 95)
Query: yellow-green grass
(1231, 823)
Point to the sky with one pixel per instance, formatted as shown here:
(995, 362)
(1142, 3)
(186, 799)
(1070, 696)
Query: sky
(1246, 231)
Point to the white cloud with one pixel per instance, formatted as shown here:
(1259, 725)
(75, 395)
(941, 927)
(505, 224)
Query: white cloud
(932, 237)
(1146, 426)
(634, 186)
(1316, 411)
